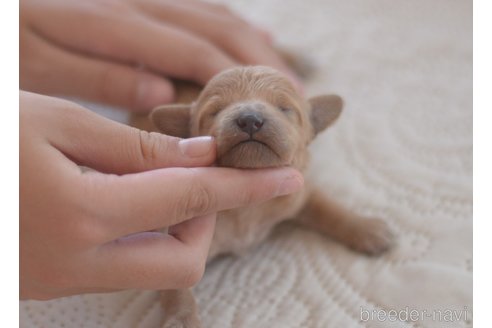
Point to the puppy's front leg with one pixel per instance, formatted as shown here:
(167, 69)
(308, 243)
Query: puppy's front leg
(180, 309)
(367, 235)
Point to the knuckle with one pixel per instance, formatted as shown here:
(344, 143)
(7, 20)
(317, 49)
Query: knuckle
(150, 146)
(199, 201)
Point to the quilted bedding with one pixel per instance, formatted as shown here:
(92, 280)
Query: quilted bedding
(402, 150)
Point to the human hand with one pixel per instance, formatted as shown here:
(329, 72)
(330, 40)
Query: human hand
(96, 49)
(88, 231)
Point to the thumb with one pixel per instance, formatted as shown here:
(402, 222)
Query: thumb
(91, 140)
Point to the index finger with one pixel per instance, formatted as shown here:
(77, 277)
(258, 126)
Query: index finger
(235, 36)
(136, 39)
(160, 198)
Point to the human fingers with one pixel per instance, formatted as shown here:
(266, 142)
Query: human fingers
(155, 199)
(217, 9)
(61, 227)
(222, 28)
(157, 260)
(92, 78)
(133, 38)
(107, 146)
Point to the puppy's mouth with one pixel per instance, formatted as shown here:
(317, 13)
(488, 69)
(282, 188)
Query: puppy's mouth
(254, 141)
(248, 153)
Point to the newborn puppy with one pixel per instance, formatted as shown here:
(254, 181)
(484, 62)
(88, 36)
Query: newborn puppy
(260, 121)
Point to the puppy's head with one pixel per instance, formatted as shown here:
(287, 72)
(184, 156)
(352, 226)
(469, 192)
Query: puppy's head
(256, 116)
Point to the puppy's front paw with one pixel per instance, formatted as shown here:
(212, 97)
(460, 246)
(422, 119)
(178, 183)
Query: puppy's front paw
(370, 236)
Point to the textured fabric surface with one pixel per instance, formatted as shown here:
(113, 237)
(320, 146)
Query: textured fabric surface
(402, 150)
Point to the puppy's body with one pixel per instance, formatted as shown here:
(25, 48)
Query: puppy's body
(259, 121)
(240, 229)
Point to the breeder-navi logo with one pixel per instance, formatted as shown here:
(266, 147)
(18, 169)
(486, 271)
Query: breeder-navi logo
(413, 315)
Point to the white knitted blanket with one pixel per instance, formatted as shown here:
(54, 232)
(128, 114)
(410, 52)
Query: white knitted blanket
(402, 150)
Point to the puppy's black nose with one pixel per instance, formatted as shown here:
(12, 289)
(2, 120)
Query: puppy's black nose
(250, 122)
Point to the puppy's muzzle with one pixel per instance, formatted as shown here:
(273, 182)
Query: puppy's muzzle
(249, 137)
(250, 122)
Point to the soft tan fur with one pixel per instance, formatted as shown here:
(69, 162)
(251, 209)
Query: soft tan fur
(283, 124)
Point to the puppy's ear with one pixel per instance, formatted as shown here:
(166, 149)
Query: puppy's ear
(325, 110)
(173, 120)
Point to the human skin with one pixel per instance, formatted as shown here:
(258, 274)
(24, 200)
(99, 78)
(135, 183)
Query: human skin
(87, 231)
(124, 52)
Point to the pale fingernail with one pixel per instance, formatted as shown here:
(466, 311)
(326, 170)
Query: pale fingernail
(291, 184)
(196, 147)
(152, 92)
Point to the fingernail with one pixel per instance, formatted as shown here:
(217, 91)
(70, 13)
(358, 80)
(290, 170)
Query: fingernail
(291, 184)
(196, 147)
(152, 92)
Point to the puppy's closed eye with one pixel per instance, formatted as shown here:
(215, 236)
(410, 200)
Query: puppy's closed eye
(285, 109)
(214, 111)
(290, 112)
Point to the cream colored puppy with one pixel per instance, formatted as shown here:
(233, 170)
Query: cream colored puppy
(259, 121)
